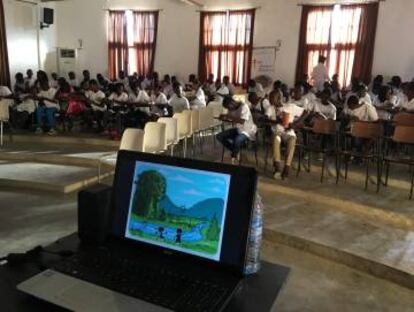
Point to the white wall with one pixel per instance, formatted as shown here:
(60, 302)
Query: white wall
(177, 48)
(394, 45)
(25, 51)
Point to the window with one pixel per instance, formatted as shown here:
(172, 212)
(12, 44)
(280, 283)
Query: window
(132, 37)
(334, 34)
(226, 41)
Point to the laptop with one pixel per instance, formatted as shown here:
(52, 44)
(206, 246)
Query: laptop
(178, 241)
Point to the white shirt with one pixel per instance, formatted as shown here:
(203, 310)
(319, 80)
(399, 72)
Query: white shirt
(74, 82)
(123, 98)
(179, 104)
(365, 112)
(326, 111)
(409, 106)
(231, 88)
(221, 93)
(382, 107)
(290, 108)
(248, 128)
(49, 94)
(54, 84)
(303, 102)
(319, 76)
(27, 105)
(160, 99)
(29, 81)
(200, 99)
(96, 98)
(366, 99)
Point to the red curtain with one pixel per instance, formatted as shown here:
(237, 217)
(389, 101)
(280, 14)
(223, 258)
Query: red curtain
(226, 43)
(314, 38)
(364, 54)
(145, 25)
(344, 34)
(117, 43)
(4, 58)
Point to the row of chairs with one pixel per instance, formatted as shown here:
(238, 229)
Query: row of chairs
(374, 148)
(168, 132)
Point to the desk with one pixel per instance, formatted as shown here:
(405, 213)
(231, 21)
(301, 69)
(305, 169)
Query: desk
(258, 293)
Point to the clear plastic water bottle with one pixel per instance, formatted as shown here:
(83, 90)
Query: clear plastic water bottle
(255, 238)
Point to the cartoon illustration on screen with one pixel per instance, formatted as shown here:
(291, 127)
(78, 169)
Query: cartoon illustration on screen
(178, 208)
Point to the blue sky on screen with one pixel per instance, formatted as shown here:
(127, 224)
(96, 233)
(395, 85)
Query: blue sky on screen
(186, 187)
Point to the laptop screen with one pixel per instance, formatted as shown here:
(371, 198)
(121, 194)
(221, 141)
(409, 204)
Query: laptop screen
(178, 208)
(191, 208)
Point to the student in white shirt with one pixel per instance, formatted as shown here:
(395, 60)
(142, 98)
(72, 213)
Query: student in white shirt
(245, 128)
(138, 96)
(122, 78)
(54, 81)
(362, 92)
(222, 92)
(409, 92)
(360, 111)
(72, 80)
(210, 86)
(22, 111)
(119, 98)
(200, 100)
(97, 107)
(47, 107)
(320, 74)
(229, 85)
(385, 103)
(323, 107)
(29, 80)
(257, 105)
(298, 98)
(20, 85)
(160, 101)
(254, 86)
(178, 101)
(283, 116)
(103, 82)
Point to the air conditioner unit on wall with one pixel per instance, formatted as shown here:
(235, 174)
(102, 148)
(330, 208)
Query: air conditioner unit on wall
(66, 61)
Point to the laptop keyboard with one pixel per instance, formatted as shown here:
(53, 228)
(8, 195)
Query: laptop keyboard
(167, 288)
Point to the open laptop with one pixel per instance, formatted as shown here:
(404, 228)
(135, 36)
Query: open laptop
(178, 241)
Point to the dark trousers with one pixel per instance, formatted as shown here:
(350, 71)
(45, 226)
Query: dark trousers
(233, 140)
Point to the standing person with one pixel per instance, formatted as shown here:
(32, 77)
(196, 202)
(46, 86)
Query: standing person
(238, 114)
(320, 74)
(284, 117)
(47, 107)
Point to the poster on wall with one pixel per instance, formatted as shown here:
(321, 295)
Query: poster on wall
(264, 62)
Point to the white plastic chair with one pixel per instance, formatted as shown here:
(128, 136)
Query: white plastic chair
(184, 127)
(132, 140)
(4, 117)
(155, 138)
(171, 128)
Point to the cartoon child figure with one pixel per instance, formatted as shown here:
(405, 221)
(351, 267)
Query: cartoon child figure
(161, 232)
(178, 236)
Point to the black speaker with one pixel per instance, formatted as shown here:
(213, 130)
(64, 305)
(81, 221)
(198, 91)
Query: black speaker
(94, 211)
(48, 16)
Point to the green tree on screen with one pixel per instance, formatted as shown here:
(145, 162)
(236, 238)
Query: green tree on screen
(213, 231)
(151, 187)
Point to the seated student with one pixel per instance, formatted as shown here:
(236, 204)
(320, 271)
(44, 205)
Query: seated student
(103, 83)
(29, 79)
(47, 107)
(229, 85)
(72, 80)
(86, 77)
(199, 100)
(123, 78)
(138, 115)
(54, 81)
(285, 93)
(25, 108)
(409, 92)
(20, 85)
(245, 128)
(359, 111)
(257, 105)
(323, 107)
(95, 106)
(254, 86)
(178, 101)
(210, 86)
(362, 93)
(119, 97)
(189, 84)
(167, 88)
(336, 95)
(308, 93)
(376, 85)
(385, 103)
(284, 116)
(41, 78)
(396, 84)
(298, 97)
(159, 99)
(147, 82)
